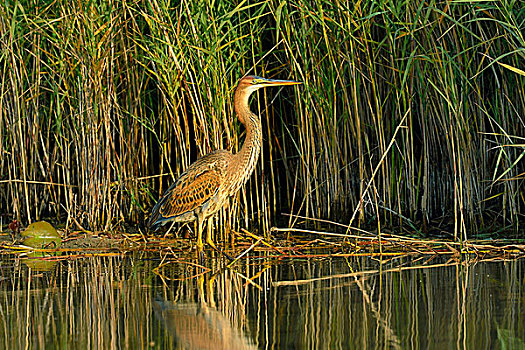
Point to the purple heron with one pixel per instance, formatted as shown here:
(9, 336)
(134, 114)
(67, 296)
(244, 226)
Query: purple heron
(207, 184)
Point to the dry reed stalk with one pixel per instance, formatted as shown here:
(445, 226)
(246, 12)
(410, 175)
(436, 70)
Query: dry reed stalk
(409, 113)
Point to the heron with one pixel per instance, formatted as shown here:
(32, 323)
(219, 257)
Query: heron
(207, 184)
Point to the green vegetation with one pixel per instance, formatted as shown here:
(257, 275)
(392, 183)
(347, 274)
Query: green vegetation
(411, 111)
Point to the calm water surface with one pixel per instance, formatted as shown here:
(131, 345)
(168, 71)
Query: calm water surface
(147, 300)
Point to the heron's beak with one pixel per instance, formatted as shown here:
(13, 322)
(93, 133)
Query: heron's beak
(263, 82)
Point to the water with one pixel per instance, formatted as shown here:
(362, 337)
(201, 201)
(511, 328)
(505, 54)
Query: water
(150, 300)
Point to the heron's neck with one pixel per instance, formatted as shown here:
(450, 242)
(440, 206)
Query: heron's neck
(250, 150)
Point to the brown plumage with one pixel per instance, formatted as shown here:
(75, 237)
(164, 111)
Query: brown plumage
(208, 183)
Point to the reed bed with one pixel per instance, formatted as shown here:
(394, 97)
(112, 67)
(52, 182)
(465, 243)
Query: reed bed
(411, 113)
(290, 243)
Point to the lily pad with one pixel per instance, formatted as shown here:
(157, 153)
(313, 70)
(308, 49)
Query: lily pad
(41, 234)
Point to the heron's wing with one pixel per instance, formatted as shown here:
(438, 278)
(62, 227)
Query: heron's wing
(190, 191)
(198, 184)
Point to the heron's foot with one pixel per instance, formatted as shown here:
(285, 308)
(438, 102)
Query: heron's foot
(212, 244)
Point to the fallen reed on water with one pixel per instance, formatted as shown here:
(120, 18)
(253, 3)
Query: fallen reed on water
(411, 112)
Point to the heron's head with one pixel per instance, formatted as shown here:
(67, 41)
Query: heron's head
(251, 83)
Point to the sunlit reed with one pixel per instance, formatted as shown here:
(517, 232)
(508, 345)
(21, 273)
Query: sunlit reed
(411, 111)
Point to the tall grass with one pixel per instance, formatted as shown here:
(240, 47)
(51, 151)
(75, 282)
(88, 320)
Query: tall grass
(411, 112)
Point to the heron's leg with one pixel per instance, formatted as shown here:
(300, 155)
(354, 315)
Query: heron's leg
(200, 246)
(210, 241)
(199, 234)
(209, 228)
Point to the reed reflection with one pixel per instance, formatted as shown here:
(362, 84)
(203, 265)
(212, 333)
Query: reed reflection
(418, 304)
(151, 301)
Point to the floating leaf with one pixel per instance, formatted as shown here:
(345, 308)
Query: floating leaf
(41, 235)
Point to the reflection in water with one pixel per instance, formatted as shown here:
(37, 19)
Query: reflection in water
(454, 305)
(120, 302)
(39, 261)
(200, 325)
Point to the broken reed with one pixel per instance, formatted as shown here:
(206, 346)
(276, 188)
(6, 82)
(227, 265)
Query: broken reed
(410, 111)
